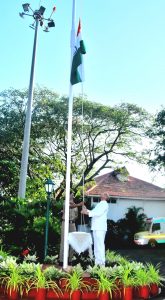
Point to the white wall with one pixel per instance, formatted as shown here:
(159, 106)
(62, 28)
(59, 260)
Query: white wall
(152, 208)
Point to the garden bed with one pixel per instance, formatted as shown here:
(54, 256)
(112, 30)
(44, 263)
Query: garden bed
(121, 279)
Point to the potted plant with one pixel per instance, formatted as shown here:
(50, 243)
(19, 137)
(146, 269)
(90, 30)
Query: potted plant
(53, 274)
(105, 283)
(75, 284)
(31, 258)
(155, 278)
(6, 263)
(127, 280)
(91, 280)
(50, 260)
(143, 281)
(28, 269)
(42, 283)
(14, 282)
(112, 258)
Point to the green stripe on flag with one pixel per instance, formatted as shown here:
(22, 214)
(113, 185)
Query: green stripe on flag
(76, 62)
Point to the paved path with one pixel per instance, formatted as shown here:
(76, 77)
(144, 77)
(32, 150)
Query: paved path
(154, 256)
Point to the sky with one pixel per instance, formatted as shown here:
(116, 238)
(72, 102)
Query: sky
(125, 60)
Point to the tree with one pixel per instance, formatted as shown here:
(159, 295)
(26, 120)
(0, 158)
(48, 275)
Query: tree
(133, 222)
(22, 224)
(102, 137)
(122, 232)
(157, 133)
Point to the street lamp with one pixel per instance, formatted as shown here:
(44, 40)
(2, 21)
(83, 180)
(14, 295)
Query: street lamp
(38, 19)
(49, 188)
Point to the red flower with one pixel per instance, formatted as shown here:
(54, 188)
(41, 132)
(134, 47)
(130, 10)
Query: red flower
(25, 252)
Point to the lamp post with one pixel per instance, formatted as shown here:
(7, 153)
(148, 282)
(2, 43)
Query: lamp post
(49, 188)
(38, 17)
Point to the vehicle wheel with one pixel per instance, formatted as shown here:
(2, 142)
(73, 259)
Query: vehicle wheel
(152, 243)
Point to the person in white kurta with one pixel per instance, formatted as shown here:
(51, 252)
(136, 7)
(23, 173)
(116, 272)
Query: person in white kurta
(99, 228)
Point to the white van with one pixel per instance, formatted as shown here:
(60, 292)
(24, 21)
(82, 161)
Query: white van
(154, 234)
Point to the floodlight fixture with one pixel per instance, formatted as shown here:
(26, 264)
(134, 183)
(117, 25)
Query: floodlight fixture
(41, 10)
(51, 24)
(32, 25)
(41, 23)
(46, 29)
(21, 15)
(38, 16)
(25, 7)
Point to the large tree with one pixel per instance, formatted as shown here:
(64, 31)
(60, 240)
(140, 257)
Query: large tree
(102, 137)
(157, 133)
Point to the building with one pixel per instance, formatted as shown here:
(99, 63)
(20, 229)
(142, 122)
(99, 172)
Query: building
(126, 191)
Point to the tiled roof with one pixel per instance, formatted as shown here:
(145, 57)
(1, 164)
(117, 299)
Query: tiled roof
(132, 188)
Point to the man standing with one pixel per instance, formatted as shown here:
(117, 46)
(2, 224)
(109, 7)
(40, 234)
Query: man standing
(73, 214)
(99, 228)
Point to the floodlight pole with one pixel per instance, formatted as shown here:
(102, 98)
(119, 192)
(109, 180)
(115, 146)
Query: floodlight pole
(38, 17)
(26, 140)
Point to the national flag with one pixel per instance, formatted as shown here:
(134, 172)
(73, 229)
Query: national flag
(77, 69)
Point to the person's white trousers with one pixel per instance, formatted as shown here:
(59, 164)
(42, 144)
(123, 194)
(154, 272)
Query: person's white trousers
(99, 247)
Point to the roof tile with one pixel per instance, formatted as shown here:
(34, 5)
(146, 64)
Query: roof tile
(132, 188)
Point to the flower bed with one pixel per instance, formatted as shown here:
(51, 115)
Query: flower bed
(121, 280)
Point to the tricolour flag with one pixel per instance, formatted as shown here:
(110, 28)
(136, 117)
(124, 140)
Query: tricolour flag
(77, 69)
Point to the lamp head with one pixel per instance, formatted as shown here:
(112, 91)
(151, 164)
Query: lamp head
(46, 29)
(51, 23)
(32, 26)
(21, 15)
(49, 184)
(41, 10)
(25, 7)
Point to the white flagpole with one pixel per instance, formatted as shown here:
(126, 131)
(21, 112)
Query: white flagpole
(69, 140)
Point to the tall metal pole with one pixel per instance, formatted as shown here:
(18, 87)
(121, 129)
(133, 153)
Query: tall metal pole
(38, 19)
(69, 141)
(26, 141)
(47, 225)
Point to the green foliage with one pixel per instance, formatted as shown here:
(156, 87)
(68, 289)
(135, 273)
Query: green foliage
(14, 280)
(154, 274)
(22, 224)
(40, 280)
(106, 284)
(74, 279)
(3, 254)
(105, 279)
(133, 222)
(142, 276)
(136, 218)
(113, 258)
(53, 273)
(51, 259)
(28, 269)
(127, 275)
(109, 134)
(157, 133)
(31, 258)
(122, 232)
(10, 263)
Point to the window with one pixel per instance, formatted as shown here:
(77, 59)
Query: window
(112, 200)
(155, 227)
(96, 199)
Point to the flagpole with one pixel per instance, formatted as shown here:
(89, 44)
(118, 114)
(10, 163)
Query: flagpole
(69, 142)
